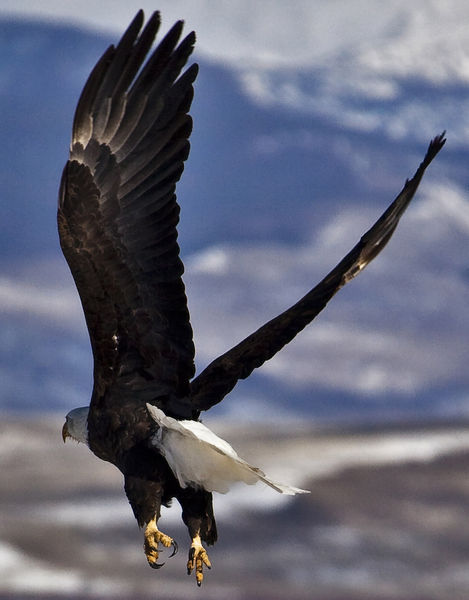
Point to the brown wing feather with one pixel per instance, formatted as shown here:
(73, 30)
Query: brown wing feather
(118, 213)
(220, 377)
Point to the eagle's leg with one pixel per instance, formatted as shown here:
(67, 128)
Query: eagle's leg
(198, 557)
(197, 514)
(153, 536)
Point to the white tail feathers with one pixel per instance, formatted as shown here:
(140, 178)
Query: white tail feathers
(199, 457)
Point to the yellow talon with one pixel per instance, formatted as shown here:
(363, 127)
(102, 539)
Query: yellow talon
(153, 536)
(198, 557)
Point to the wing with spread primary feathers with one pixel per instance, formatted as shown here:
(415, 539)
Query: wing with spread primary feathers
(118, 213)
(220, 377)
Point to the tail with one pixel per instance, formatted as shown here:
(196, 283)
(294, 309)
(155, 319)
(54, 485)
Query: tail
(281, 488)
(198, 457)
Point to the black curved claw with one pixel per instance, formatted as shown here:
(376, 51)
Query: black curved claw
(156, 565)
(191, 564)
(175, 548)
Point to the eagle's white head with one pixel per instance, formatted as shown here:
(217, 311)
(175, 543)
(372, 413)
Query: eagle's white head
(76, 425)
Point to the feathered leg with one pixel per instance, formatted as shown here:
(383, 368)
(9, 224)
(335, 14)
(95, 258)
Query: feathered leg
(197, 514)
(146, 493)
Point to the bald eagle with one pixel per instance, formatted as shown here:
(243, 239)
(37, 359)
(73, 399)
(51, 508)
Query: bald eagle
(117, 218)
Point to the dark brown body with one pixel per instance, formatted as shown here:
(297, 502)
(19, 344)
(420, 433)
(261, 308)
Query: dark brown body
(124, 438)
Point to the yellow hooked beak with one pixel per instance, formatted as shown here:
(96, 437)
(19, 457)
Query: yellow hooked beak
(65, 433)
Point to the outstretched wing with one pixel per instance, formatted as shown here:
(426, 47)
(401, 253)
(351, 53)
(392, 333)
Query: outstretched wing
(220, 377)
(117, 212)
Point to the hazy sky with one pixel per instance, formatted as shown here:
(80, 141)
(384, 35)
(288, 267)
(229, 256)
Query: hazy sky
(295, 33)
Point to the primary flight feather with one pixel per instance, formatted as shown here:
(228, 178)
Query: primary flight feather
(117, 219)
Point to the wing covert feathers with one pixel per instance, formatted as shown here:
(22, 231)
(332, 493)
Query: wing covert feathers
(220, 377)
(118, 212)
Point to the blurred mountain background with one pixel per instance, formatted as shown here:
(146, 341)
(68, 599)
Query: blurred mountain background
(307, 121)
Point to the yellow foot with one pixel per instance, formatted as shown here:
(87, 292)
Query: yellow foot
(198, 557)
(152, 538)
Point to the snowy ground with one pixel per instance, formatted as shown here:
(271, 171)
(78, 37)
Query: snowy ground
(387, 518)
